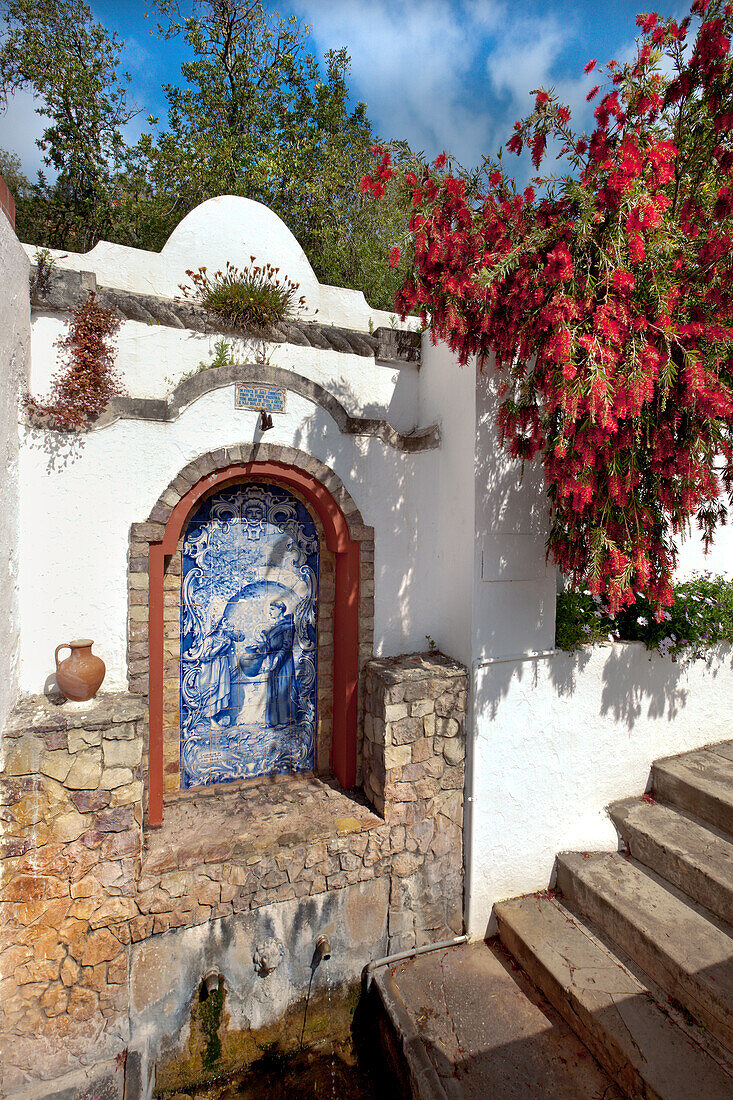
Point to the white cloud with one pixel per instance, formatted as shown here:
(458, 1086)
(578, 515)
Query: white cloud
(412, 63)
(20, 126)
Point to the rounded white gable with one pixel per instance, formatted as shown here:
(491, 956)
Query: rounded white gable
(231, 228)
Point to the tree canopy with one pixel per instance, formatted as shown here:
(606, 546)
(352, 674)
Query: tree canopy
(605, 296)
(254, 115)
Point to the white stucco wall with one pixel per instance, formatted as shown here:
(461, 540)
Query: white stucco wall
(459, 544)
(447, 395)
(14, 348)
(78, 503)
(153, 359)
(224, 229)
(557, 739)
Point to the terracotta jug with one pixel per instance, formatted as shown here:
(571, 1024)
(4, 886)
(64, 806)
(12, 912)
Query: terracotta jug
(80, 676)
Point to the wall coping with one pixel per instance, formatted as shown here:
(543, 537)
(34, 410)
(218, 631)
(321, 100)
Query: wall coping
(64, 289)
(41, 714)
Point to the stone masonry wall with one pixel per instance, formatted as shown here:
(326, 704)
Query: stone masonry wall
(83, 890)
(414, 754)
(71, 844)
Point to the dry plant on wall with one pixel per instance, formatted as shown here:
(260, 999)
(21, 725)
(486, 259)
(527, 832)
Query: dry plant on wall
(82, 388)
(255, 296)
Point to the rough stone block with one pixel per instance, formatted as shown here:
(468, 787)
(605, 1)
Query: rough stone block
(85, 772)
(407, 730)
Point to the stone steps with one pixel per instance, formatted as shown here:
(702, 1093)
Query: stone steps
(637, 954)
(635, 1038)
(699, 782)
(693, 857)
(671, 939)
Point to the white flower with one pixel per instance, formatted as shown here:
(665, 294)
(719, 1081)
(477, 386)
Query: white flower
(586, 628)
(610, 637)
(667, 616)
(642, 621)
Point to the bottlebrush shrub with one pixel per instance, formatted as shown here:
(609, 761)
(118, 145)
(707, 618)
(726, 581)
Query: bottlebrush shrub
(80, 391)
(255, 296)
(606, 299)
(700, 616)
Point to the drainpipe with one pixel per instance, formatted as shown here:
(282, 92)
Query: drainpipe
(368, 971)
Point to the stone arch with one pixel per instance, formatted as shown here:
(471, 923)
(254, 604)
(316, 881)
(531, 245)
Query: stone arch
(156, 539)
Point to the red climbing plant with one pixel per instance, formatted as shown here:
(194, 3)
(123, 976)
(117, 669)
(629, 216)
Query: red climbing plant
(605, 297)
(81, 389)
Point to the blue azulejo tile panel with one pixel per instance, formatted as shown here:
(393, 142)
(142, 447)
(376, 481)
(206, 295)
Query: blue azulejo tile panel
(249, 616)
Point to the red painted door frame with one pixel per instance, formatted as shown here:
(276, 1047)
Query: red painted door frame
(345, 618)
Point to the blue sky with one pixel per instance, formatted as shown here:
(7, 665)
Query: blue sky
(443, 74)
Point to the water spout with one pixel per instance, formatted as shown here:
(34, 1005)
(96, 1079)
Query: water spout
(323, 949)
(210, 982)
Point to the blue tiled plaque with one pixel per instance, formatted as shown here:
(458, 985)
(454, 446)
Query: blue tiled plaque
(249, 609)
(249, 396)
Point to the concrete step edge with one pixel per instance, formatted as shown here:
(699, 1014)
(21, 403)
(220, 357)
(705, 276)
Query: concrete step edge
(705, 797)
(632, 1036)
(588, 883)
(690, 854)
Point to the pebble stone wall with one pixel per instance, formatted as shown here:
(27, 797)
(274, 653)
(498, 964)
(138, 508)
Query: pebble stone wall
(83, 886)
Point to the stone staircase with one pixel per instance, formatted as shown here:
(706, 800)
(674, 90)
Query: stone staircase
(635, 948)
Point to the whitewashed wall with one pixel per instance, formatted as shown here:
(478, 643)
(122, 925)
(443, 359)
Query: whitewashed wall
(556, 739)
(14, 348)
(227, 228)
(153, 359)
(78, 504)
(460, 554)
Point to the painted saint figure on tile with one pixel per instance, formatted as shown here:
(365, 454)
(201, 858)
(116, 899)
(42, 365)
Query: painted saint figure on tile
(249, 595)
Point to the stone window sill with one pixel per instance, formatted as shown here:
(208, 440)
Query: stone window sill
(251, 819)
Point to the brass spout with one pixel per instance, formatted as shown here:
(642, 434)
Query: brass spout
(323, 949)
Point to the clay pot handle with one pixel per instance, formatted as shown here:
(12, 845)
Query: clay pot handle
(64, 645)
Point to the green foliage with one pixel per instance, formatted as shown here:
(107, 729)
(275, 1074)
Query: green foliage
(254, 115)
(222, 356)
(256, 296)
(257, 117)
(55, 49)
(700, 617)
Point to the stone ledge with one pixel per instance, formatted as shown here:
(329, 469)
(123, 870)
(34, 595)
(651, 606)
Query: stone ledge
(254, 819)
(66, 289)
(207, 381)
(40, 714)
(415, 667)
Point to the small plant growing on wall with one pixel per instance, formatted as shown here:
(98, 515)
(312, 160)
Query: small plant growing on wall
(83, 386)
(254, 296)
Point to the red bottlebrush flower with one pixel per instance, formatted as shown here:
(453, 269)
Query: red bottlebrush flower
(538, 143)
(636, 248)
(623, 281)
(590, 66)
(529, 194)
(541, 100)
(440, 160)
(559, 266)
(365, 183)
(394, 255)
(581, 147)
(563, 114)
(376, 150)
(592, 93)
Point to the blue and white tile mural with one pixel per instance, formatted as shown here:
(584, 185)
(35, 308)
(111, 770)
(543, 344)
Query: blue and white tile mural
(249, 611)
